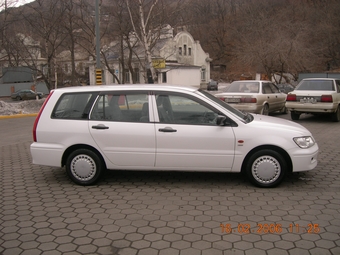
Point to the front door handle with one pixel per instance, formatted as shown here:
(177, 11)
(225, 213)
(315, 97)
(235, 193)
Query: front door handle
(100, 126)
(167, 130)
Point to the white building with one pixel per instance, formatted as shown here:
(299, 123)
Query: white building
(186, 63)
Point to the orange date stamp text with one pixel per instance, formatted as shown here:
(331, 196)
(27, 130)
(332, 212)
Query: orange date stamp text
(265, 228)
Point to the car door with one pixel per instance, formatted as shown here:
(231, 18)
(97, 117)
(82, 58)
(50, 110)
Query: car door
(279, 97)
(272, 96)
(187, 136)
(122, 133)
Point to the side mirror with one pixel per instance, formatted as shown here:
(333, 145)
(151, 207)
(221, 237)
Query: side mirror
(220, 121)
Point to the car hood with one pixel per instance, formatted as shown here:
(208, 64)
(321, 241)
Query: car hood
(281, 125)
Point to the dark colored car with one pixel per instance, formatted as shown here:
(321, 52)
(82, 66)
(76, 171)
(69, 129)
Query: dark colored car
(26, 94)
(285, 87)
(212, 85)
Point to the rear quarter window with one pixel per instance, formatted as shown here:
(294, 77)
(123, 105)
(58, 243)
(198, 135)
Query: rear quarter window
(73, 106)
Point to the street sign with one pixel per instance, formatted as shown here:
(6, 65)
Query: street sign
(98, 76)
(158, 63)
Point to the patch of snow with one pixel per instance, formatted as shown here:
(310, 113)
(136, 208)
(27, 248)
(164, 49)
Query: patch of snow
(24, 107)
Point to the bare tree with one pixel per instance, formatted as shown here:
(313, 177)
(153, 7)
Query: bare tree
(45, 18)
(148, 18)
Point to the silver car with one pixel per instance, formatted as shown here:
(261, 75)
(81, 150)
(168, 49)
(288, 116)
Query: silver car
(315, 96)
(262, 97)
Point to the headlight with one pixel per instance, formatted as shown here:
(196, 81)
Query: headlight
(304, 142)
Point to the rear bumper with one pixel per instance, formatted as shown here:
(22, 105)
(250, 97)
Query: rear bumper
(46, 154)
(311, 108)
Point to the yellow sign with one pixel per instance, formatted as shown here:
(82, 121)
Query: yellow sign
(158, 63)
(98, 76)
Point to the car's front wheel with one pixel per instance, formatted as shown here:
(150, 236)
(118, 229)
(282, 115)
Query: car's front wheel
(84, 167)
(266, 168)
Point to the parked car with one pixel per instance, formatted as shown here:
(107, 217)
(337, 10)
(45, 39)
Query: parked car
(25, 94)
(315, 96)
(261, 97)
(165, 128)
(212, 85)
(285, 87)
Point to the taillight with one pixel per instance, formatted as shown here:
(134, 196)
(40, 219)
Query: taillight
(221, 98)
(248, 100)
(291, 97)
(327, 98)
(38, 117)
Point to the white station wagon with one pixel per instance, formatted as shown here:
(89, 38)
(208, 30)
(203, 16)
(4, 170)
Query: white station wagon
(165, 128)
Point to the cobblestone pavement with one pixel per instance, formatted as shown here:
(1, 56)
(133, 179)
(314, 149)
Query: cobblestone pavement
(43, 212)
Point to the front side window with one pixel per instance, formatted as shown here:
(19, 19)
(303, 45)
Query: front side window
(125, 107)
(266, 88)
(274, 88)
(182, 109)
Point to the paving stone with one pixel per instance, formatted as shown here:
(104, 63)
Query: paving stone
(43, 212)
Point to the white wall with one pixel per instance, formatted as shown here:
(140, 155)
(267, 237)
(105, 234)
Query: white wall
(187, 77)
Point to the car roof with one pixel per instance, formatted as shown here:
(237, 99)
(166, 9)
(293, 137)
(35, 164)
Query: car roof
(306, 79)
(251, 81)
(120, 87)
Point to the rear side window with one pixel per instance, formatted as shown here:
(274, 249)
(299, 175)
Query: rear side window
(125, 107)
(73, 106)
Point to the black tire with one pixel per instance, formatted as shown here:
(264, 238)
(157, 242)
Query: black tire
(336, 115)
(18, 98)
(266, 168)
(294, 115)
(265, 110)
(84, 167)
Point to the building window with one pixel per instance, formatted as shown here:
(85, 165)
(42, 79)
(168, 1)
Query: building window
(127, 76)
(164, 77)
(189, 51)
(185, 49)
(136, 73)
(203, 78)
(180, 50)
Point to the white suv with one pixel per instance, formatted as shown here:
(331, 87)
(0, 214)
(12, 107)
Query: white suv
(149, 127)
(316, 96)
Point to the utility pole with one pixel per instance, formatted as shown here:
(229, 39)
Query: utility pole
(97, 31)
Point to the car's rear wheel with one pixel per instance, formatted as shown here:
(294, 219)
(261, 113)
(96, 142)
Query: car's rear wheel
(18, 98)
(84, 167)
(336, 115)
(265, 110)
(266, 168)
(294, 115)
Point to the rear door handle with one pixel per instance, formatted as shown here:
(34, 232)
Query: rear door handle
(167, 130)
(100, 126)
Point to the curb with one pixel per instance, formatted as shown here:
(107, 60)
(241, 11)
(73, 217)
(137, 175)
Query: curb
(18, 116)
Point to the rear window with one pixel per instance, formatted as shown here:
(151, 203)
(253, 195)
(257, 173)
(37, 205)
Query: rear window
(74, 106)
(316, 85)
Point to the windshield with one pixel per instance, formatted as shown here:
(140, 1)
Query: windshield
(316, 85)
(242, 115)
